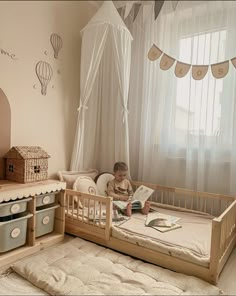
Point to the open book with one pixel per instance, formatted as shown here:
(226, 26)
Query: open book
(138, 199)
(162, 222)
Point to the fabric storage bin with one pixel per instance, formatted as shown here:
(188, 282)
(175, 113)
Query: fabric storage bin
(13, 207)
(13, 232)
(45, 220)
(45, 199)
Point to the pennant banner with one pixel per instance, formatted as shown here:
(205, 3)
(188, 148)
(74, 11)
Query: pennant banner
(199, 72)
(147, 11)
(166, 62)
(157, 7)
(174, 4)
(154, 53)
(121, 11)
(234, 62)
(128, 8)
(137, 7)
(181, 69)
(133, 7)
(218, 70)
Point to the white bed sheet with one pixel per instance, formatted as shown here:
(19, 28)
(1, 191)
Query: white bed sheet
(191, 242)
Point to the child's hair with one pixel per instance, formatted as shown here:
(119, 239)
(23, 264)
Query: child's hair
(120, 166)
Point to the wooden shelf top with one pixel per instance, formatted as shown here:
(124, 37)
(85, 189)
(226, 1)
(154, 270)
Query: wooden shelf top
(12, 190)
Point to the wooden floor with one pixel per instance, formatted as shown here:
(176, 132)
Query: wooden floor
(227, 281)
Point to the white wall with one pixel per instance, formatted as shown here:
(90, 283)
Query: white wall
(25, 28)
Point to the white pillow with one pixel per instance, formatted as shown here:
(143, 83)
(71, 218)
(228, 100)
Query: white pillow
(102, 182)
(86, 185)
(70, 176)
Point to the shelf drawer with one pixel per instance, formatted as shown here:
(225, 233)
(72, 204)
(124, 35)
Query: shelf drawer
(45, 220)
(13, 232)
(45, 199)
(13, 207)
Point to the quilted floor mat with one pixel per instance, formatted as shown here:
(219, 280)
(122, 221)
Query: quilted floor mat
(79, 267)
(13, 284)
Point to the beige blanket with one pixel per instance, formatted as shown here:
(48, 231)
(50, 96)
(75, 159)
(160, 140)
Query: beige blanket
(83, 268)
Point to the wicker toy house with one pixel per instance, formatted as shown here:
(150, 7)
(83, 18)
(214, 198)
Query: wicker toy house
(26, 164)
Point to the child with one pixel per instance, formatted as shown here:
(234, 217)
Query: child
(120, 188)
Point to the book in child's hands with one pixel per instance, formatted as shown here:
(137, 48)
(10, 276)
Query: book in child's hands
(162, 222)
(138, 199)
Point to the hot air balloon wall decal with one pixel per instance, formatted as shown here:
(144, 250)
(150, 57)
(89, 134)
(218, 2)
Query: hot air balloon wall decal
(56, 42)
(44, 72)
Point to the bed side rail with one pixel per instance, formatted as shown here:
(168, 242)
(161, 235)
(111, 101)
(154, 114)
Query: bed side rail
(90, 213)
(196, 201)
(223, 238)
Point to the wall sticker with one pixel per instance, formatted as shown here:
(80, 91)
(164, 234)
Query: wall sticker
(56, 42)
(8, 54)
(44, 72)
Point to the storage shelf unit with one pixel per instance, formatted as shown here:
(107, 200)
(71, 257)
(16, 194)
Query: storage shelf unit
(10, 191)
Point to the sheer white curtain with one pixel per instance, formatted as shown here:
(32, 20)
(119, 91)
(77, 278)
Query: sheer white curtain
(182, 131)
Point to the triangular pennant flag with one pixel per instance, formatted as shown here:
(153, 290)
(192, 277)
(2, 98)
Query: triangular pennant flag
(199, 72)
(219, 70)
(234, 62)
(174, 4)
(128, 8)
(181, 69)
(166, 62)
(154, 53)
(157, 7)
(121, 11)
(137, 7)
(147, 11)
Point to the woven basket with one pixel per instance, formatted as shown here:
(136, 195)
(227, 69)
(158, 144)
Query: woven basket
(26, 164)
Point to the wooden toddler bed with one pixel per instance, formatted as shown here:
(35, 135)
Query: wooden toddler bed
(86, 219)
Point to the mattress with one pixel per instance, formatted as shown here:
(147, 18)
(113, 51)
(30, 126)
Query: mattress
(80, 267)
(191, 242)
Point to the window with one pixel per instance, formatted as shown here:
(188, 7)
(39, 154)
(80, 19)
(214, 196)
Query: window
(198, 103)
(11, 168)
(37, 169)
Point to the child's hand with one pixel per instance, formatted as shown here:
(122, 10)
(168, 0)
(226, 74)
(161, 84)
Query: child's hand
(124, 197)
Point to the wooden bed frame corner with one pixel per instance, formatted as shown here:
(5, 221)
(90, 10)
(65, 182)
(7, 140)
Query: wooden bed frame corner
(223, 238)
